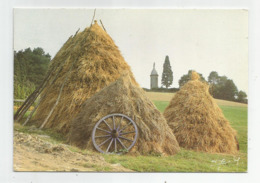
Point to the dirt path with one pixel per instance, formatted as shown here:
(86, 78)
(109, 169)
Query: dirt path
(36, 153)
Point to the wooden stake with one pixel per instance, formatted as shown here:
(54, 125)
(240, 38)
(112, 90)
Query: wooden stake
(102, 25)
(93, 17)
(30, 100)
(31, 114)
(58, 99)
(76, 32)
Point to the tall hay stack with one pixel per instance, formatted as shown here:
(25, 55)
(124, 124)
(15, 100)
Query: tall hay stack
(89, 61)
(197, 122)
(124, 96)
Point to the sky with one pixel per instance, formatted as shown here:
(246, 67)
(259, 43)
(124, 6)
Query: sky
(201, 40)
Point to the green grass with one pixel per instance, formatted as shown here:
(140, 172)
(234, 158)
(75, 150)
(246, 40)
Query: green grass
(237, 117)
(191, 161)
(161, 105)
(184, 161)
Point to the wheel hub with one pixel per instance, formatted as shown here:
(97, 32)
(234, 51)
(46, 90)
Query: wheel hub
(114, 133)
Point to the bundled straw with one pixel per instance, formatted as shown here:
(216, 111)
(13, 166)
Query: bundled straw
(85, 64)
(197, 121)
(124, 96)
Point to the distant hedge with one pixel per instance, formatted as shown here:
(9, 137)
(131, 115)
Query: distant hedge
(165, 90)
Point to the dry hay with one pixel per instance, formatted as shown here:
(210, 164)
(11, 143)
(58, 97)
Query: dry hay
(91, 60)
(197, 121)
(123, 96)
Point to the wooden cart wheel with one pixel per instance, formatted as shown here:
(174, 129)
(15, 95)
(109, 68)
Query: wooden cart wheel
(114, 133)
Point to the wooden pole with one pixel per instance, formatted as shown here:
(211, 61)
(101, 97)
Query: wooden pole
(30, 100)
(102, 25)
(31, 114)
(93, 17)
(76, 32)
(58, 99)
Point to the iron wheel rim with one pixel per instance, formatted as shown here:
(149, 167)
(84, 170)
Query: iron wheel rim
(114, 136)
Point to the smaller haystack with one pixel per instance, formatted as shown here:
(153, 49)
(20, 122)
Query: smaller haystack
(124, 96)
(197, 121)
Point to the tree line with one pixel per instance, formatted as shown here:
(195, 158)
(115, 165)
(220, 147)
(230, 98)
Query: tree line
(30, 67)
(221, 87)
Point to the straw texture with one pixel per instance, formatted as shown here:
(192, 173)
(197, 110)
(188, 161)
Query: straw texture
(197, 121)
(124, 96)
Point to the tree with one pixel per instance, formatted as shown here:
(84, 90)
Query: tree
(186, 77)
(30, 68)
(213, 80)
(222, 87)
(242, 97)
(229, 90)
(167, 75)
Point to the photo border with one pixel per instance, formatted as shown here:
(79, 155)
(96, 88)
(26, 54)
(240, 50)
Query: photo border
(6, 83)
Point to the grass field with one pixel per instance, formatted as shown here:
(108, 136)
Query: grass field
(185, 160)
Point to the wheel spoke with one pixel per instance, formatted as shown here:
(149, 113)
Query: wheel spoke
(126, 139)
(125, 126)
(121, 142)
(127, 133)
(115, 146)
(104, 142)
(120, 123)
(103, 136)
(109, 145)
(103, 130)
(114, 125)
(107, 125)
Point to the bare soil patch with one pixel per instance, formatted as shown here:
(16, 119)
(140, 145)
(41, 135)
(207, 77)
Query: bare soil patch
(34, 152)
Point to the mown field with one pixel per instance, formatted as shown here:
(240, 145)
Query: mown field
(191, 161)
(185, 160)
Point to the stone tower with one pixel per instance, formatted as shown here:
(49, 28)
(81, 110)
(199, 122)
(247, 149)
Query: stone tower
(154, 78)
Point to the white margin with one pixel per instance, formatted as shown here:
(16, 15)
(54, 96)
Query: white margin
(6, 91)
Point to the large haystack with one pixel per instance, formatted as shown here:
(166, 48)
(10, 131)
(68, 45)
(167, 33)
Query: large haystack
(89, 61)
(197, 121)
(123, 96)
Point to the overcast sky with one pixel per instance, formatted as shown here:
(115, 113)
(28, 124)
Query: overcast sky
(202, 40)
